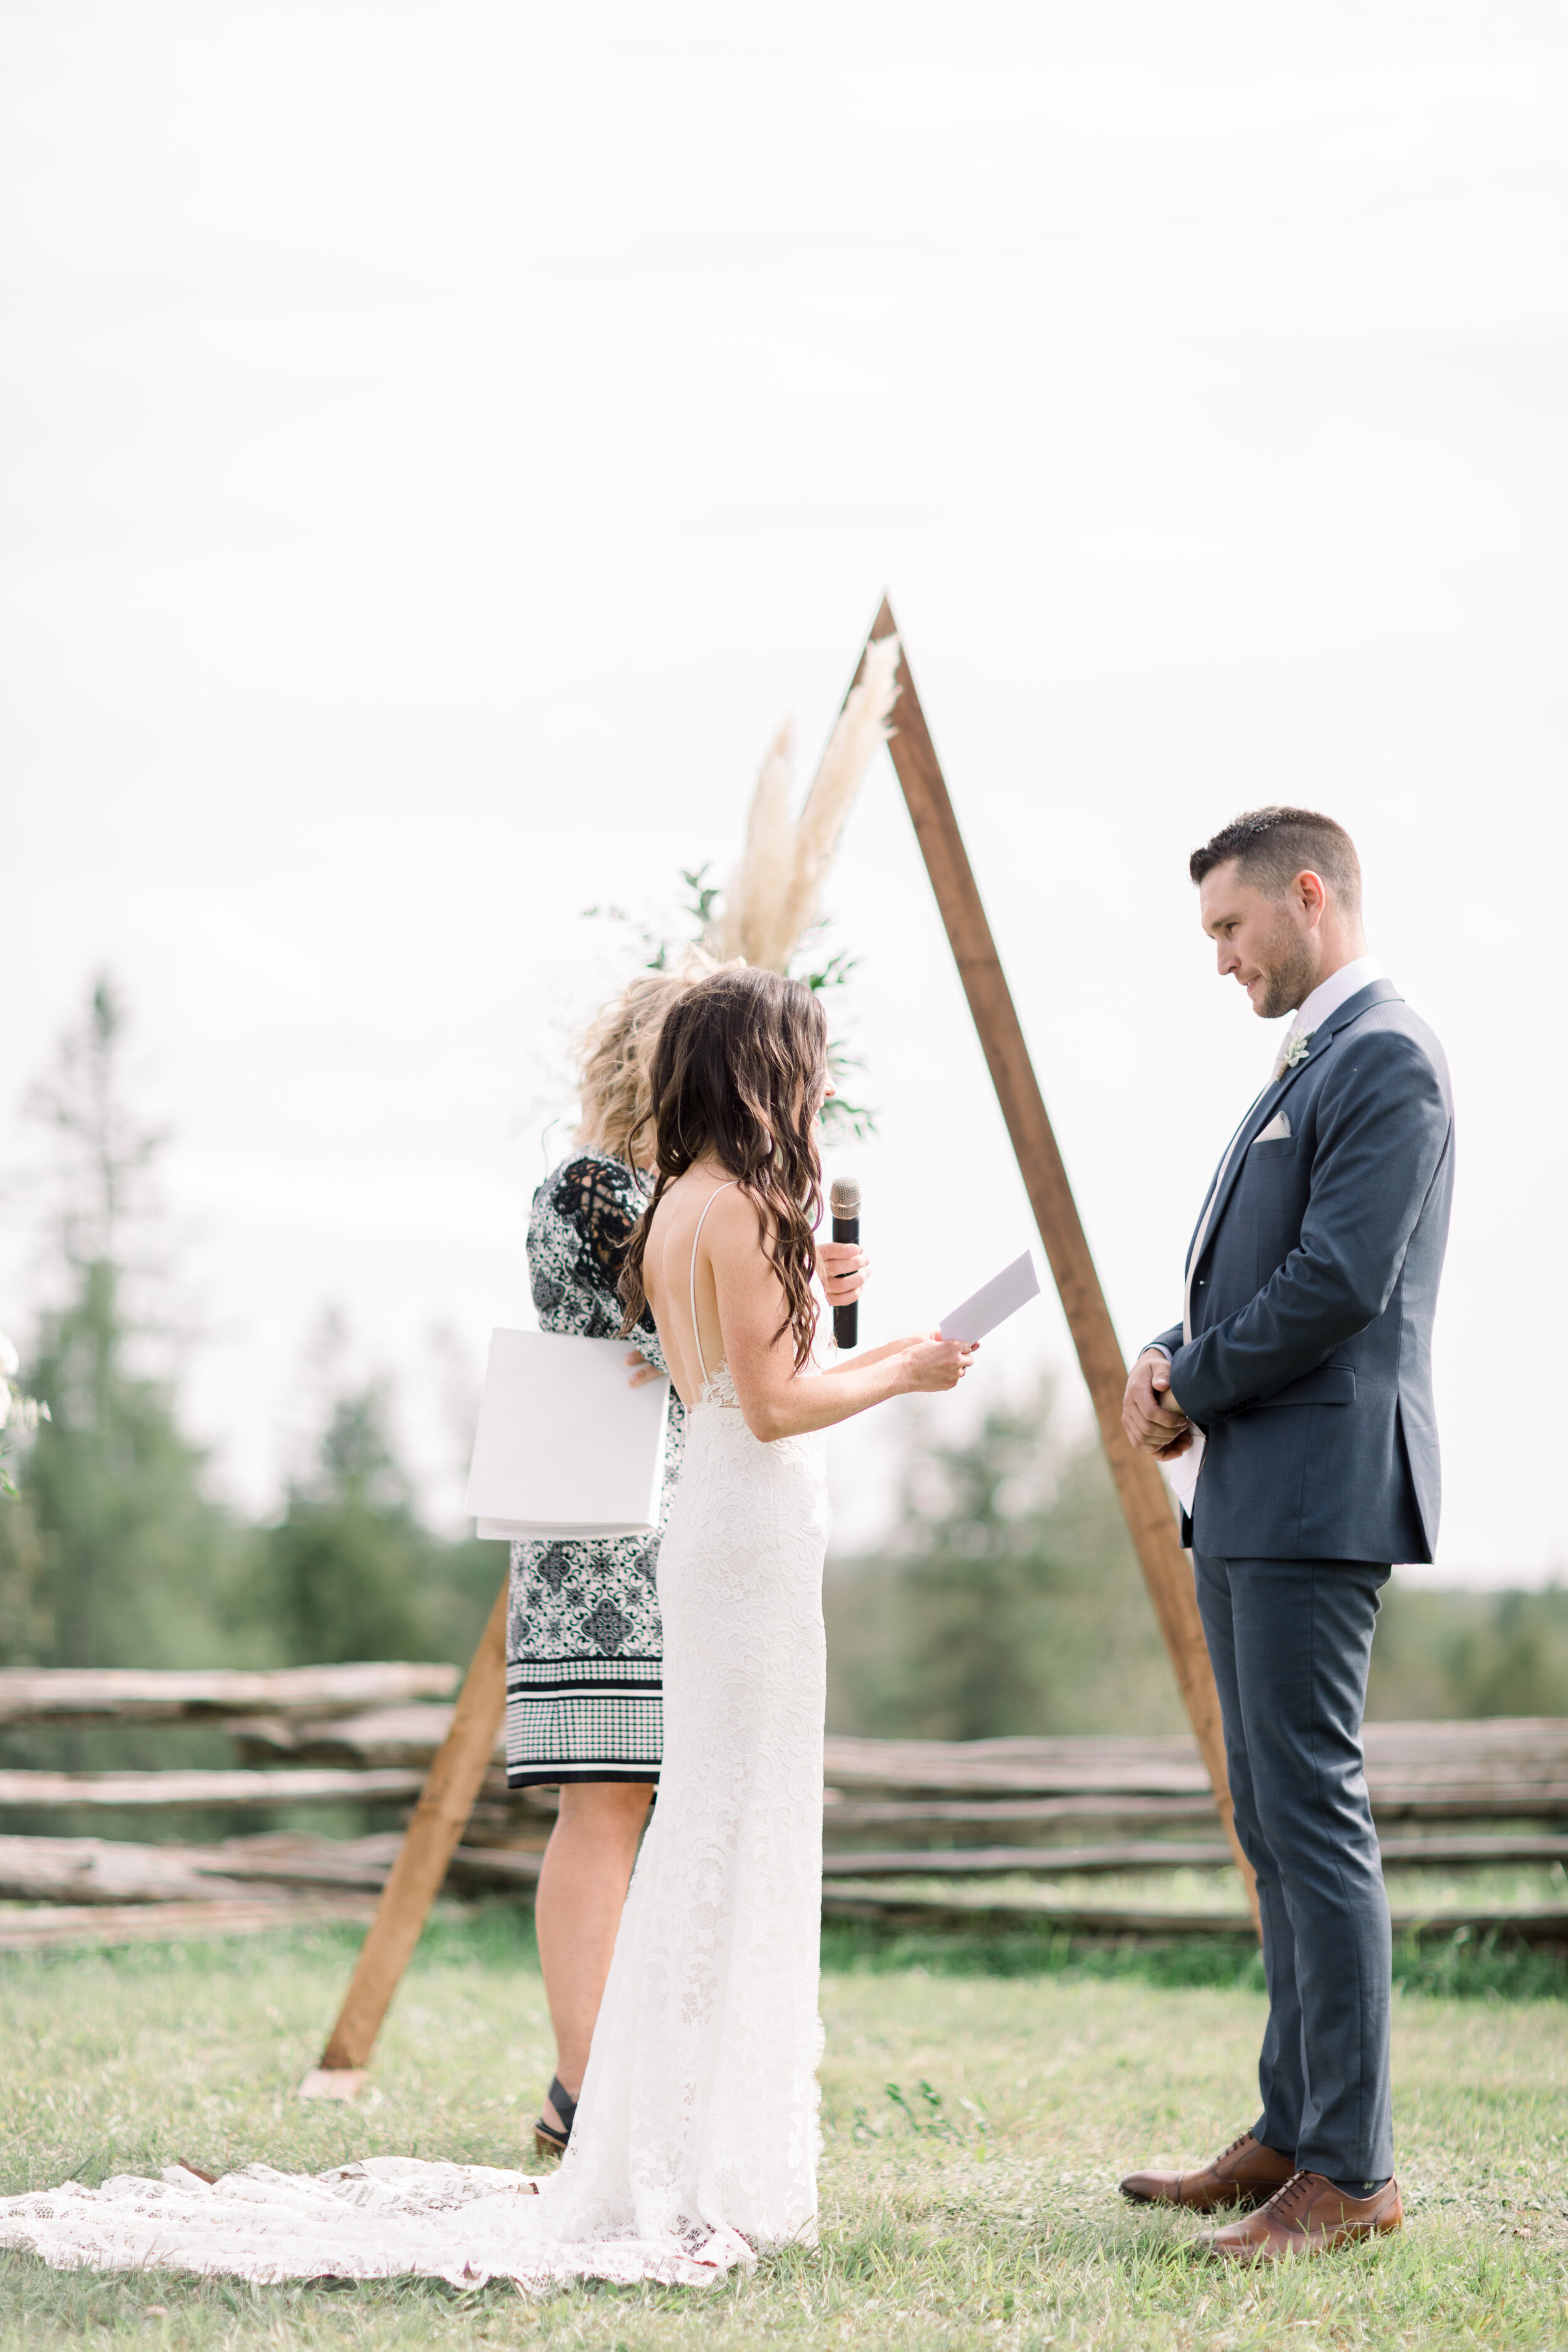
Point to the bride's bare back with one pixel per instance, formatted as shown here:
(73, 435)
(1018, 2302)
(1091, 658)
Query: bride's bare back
(673, 1280)
(705, 1244)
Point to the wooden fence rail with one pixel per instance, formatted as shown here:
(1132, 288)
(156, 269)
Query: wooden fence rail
(113, 1870)
(116, 1871)
(221, 1789)
(961, 1908)
(375, 1716)
(977, 1793)
(1504, 1752)
(135, 1695)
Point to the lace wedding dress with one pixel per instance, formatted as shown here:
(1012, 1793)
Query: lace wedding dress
(695, 2140)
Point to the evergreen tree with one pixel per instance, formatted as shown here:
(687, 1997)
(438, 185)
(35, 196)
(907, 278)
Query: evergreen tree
(1009, 1599)
(1442, 1653)
(113, 1555)
(350, 1570)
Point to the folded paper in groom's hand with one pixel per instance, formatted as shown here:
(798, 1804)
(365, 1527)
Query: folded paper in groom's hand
(565, 1446)
(1001, 1296)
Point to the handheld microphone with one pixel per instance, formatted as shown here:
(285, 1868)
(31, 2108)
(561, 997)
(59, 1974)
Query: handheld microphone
(844, 1199)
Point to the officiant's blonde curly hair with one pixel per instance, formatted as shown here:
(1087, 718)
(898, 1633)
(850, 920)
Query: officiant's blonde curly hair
(615, 1062)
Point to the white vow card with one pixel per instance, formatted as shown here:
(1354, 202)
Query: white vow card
(1001, 1296)
(565, 1446)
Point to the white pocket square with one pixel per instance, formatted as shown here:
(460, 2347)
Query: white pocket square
(1277, 1131)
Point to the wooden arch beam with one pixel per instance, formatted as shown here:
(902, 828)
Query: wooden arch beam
(1144, 1497)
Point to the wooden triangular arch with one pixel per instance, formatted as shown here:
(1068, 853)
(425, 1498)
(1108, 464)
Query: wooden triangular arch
(1145, 1499)
(458, 1773)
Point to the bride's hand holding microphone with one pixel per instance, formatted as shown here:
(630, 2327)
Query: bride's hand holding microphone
(931, 1362)
(842, 1268)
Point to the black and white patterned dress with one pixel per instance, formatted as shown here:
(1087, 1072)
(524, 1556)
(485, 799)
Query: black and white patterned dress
(584, 1652)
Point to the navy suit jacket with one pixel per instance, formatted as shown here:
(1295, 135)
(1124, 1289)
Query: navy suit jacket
(1310, 1368)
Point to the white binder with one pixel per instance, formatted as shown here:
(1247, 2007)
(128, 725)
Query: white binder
(565, 1446)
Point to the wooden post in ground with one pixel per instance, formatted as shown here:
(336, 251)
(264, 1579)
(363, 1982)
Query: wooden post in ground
(1139, 1482)
(439, 1819)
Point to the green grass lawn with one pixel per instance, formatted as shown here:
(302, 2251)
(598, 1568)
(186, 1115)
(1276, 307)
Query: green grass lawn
(979, 2103)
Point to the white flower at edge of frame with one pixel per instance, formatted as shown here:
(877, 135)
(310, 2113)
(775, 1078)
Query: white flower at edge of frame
(10, 1361)
(1299, 1048)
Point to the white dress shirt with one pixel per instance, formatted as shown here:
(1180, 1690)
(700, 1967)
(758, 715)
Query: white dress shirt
(1326, 999)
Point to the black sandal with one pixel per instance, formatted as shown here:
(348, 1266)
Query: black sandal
(546, 2138)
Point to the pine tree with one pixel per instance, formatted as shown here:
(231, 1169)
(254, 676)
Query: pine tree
(1008, 1600)
(350, 1570)
(113, 1554)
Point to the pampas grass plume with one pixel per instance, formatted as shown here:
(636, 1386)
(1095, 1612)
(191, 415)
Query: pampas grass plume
(861, 731)
(748, 924)
(775, 894)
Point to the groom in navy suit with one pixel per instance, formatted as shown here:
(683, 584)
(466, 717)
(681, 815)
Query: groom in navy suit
(1294, 1403)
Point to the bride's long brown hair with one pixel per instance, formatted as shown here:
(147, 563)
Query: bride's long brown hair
(740, 1070)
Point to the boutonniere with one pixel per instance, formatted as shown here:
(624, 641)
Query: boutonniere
(1296, 1050)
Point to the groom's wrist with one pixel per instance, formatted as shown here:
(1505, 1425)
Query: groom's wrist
(1158, 1350)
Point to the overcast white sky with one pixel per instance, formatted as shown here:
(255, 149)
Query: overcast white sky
(441, 439)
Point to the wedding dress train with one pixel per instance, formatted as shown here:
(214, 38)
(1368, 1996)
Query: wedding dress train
(695, 2140)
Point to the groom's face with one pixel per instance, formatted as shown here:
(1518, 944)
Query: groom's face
(1266, 944)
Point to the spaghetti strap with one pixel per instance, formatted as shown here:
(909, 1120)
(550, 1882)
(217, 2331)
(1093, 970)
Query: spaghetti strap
(696, 1237)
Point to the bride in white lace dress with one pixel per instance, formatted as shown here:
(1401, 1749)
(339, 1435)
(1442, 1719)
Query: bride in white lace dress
(695, 2141)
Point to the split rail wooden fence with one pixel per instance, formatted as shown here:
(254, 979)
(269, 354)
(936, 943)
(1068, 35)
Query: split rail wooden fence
(1000, 1831)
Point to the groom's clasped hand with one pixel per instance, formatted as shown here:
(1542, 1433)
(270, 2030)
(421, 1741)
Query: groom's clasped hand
(1153, 1421)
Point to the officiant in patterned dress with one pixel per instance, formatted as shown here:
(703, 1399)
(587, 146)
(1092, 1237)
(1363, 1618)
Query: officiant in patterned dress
(584, 1645)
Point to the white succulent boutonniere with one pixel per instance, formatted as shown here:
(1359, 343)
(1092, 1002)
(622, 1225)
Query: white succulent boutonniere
(1296, 1050)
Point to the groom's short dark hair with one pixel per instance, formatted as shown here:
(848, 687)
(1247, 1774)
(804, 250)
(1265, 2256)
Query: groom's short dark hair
(1272, 845)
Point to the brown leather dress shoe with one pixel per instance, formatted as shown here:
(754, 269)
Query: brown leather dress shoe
(1308, 2216)
(1243, 2175)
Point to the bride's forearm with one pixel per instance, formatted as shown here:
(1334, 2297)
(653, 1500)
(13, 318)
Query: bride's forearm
(864, 1356)
(803, 1403)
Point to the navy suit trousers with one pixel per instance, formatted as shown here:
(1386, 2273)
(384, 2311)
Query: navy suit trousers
(1291, 1643)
